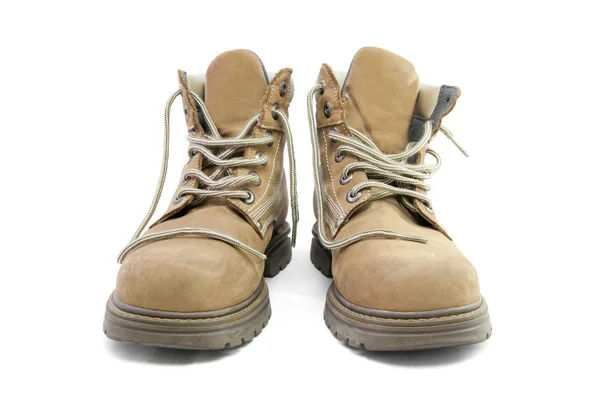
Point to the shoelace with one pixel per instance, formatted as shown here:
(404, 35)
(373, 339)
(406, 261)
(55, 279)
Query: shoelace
(392, 174)
(221, 182)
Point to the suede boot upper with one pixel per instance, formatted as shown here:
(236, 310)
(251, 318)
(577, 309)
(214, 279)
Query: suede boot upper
(382, 99)
(194, 274)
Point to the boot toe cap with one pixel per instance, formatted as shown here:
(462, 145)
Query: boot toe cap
(187, 275)
(401, 276)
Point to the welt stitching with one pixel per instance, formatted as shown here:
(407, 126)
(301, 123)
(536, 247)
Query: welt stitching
(250, 307)
(449, 317)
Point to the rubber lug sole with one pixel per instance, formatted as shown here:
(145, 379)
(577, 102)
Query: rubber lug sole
(321, 258)
(278, 257)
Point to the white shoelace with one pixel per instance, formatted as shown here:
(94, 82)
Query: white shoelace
(216, 151)
(392, 174)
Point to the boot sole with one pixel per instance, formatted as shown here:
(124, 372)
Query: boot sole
(211, 330)
(381, 330)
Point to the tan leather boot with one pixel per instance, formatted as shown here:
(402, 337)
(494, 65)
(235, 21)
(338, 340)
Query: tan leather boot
(400, 283)
(195, 278)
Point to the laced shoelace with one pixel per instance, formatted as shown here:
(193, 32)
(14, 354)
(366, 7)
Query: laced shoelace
(392, 174)
(217, 152)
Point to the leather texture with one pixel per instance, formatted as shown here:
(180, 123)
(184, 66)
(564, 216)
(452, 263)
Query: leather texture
(382, 89)
(202, 274)
(380, 99)
(399, 275)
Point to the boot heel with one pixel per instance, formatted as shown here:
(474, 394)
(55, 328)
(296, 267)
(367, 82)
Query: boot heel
(321, 258)
(278, 257)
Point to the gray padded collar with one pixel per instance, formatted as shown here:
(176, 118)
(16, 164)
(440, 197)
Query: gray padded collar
(447, 98)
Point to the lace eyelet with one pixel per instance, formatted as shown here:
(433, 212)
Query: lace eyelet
(327, 109)
(345, 180)
(334, 130)
(185, 180)
(257, 181)
(339, 156)
(353, 199)
(322, 90)
(283, 88)
(273, 113)
(270, 135)
(428, 208)
(250, 198)
(177, 199)
(191, 153)
(260, 155)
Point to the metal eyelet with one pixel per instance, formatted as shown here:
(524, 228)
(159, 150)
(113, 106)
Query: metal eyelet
(261, 155)
(322, 90)
(429, 209)
(177, 199)
(257, 181)
(339, 156)
(185, 180)
(283, 88)
(187, 113)
(345, 180)
(270, 135)
(353, 199)
(273, 113)
(191, 153)
(327, 109)
(250, 198)
(334, 130)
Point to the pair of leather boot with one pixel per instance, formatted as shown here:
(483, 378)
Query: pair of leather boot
(194, 279)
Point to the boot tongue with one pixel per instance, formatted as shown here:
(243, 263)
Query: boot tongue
(383, 88)
(235, 85)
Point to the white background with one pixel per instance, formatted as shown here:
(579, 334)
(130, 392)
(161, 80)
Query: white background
(82, 90)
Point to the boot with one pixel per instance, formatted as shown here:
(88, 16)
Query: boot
(195, 278)
(399, 281)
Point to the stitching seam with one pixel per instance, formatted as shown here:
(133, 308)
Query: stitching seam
(256, 214)
(272, 218)
(457, 316)
(330, 174)
(333, 208)
(270, 177)
(250, 307)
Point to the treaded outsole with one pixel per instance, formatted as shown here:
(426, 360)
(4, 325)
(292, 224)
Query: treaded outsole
(278, 258)
(365, 332)
(199, 333)
(321, 258)
(228, 345)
